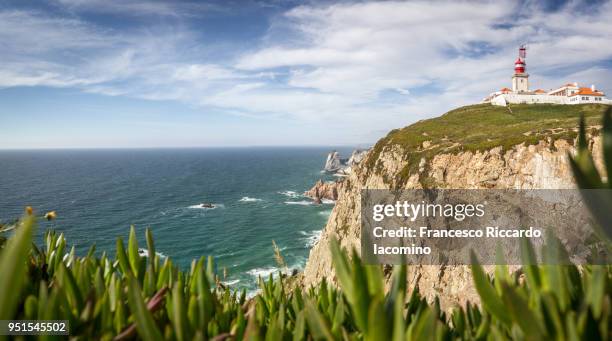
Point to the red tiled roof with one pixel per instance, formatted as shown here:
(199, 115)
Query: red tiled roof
(587, 92)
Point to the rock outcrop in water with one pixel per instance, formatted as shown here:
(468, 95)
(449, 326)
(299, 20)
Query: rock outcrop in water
(340, 167)
(541, 163)
(335, 164)
(324, 190)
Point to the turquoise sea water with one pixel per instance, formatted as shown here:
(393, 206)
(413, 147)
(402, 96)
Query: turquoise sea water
(98, 194)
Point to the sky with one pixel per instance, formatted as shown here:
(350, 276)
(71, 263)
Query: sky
(138, 74)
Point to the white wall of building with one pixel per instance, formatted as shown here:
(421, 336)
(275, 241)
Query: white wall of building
(520, 82)
(505, 99)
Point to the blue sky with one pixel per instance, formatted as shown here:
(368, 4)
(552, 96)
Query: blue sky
(127, 73)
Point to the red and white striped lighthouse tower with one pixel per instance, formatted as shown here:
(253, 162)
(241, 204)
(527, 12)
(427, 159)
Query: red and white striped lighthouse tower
(520, 79)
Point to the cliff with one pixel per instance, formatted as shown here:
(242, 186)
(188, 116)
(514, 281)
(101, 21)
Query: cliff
(481, 146)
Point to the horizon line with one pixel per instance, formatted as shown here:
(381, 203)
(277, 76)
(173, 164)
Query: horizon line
(186, 147)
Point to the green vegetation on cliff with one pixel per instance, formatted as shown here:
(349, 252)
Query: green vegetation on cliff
(484, 126)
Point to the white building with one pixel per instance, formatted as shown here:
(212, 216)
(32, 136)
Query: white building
(570, 93)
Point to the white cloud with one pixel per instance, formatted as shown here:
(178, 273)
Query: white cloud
(367, 66)
(139, 8)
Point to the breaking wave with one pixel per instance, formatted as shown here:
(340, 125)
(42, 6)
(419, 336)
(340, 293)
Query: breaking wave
(231, 282)
(291, 194)
(249, 199)
(145, 253)
(303, 202)
(311, 237)
(263, 272)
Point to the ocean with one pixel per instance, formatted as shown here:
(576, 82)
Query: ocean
(98, 194)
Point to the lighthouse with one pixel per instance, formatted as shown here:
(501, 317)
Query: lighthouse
(570, 93)
(520, 79)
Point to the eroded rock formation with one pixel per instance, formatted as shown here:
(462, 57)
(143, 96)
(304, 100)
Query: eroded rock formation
(324, 190)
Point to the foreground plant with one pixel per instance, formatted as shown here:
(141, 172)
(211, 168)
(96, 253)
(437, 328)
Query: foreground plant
(130, 296)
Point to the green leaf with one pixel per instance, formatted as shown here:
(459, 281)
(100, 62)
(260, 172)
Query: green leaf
(361, 295)
(553, 316)
(571, 329)
(205, 298)
(526, 319)
(151, 250)
(501, 269)
(489, 299)
(30, 307)
(375, 281)
(122, 257)
(339, 317)
(399, 324)
(253, 330)
(341, 266)
(300, 327)
(133, 255)
(70, 287)
(316, 323)
(554, 275)
(142, 317)
(13, 266)
(179, 313)
(379, 327)
(424, 327)
(398, 287)
(530, 262)
(596, 290)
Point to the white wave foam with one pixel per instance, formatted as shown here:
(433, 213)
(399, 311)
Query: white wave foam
(263, 272)
(328, 201)
(291, 194)
(199, 206)
(145, 253)
(326, 213)
(311, 237)
(303, 202)
(248, 199)
(232, 282)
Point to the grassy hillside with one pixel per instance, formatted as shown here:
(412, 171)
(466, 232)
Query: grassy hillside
(484, 126)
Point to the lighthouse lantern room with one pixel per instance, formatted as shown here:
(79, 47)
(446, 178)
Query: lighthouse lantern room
(520, 79)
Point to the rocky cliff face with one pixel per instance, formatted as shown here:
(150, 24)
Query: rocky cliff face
(540, 165)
